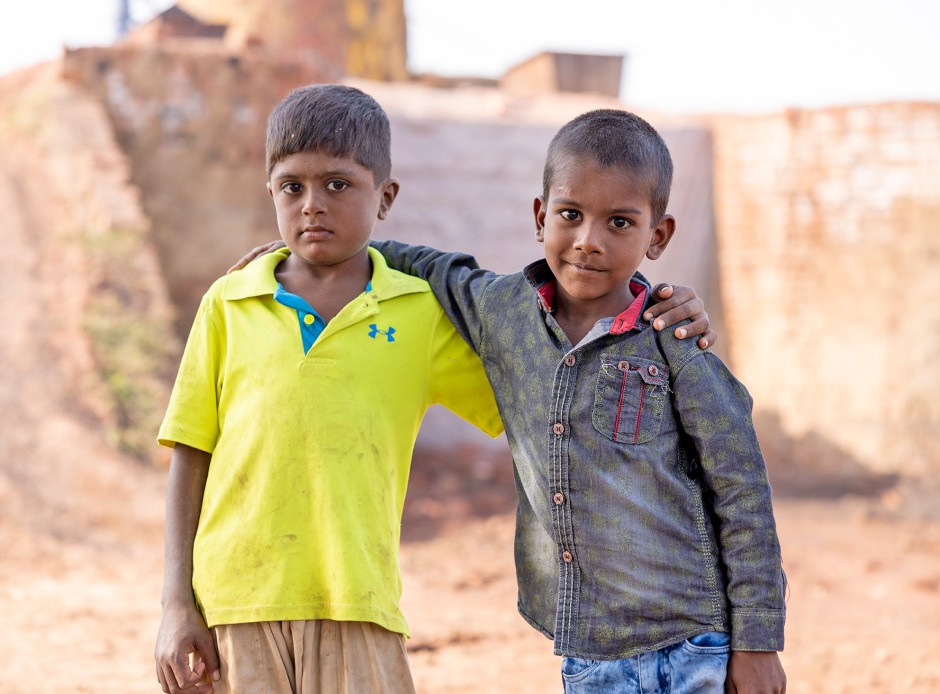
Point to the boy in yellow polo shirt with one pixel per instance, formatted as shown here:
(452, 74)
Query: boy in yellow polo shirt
(293, 429)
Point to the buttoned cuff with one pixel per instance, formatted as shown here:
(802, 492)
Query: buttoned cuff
(757, 630)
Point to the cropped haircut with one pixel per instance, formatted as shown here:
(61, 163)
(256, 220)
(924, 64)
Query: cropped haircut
(615, 138)
(334, 119)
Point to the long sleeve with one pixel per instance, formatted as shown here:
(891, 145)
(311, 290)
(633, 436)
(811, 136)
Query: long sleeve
(714, 410)
(456, 279)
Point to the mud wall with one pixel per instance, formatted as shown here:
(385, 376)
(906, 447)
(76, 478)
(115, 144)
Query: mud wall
(106, 331)
(192, 122)
(364, 38)
(829, 249)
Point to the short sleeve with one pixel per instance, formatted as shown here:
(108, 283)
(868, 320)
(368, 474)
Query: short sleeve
(192, 416)
(458, 381)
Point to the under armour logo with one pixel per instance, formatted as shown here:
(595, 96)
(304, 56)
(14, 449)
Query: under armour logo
(389, 334)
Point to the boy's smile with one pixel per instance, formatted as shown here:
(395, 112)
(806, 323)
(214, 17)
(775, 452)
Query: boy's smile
(327, 207)
(597, 227)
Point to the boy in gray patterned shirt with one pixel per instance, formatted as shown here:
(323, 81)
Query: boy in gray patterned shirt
(646, 545)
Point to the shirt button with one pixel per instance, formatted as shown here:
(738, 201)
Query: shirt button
(567, 556)
(624, 366)
(308, 319)
(559, 498)
(653, 369)
(569, 360)
(559, 429)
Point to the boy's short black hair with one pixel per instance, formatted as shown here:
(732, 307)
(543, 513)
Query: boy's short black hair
(334, 119)
(615, 138)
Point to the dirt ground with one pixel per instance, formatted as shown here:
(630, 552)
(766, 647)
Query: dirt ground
(79, 588)
(81, 546)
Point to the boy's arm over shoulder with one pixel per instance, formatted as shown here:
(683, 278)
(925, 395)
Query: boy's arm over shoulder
(714, 411)
(456, 279)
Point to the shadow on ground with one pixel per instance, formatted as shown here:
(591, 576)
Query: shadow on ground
(813, 467)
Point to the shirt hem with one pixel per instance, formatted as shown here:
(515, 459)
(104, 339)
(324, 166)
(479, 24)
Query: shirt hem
(269, 613)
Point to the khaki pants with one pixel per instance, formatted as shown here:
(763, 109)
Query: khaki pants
(311, 657)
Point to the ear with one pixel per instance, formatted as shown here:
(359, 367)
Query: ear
(538, 209)
(270, 189)
(389, 193)
(662, 233)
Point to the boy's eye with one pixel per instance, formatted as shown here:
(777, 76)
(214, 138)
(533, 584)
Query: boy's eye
(620, 222)
(291, 187)
(570, 215)
(337, 185)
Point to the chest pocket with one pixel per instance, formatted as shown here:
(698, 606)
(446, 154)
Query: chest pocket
(630, 398)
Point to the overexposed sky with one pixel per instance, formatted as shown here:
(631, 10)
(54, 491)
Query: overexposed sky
(746, 56)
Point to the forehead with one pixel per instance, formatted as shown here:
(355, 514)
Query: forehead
(316, 163)
(582, 177)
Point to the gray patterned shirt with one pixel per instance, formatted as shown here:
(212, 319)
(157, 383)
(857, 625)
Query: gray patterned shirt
(644, 513)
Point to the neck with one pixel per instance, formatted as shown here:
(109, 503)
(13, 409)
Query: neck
(294, 269)
(327, 288)
(577, 316)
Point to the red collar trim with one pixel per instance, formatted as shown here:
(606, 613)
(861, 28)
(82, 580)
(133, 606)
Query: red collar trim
(547, 295)
(622, 322)
(627, 320)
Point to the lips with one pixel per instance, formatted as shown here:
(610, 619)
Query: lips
(315, 233)
(584, 268)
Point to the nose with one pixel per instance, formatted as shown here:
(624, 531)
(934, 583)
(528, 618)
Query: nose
(589, 239)
(313, 204)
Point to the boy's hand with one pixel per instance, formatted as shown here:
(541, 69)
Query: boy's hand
(183, 632)
(259, 250)
(676, 303)
(755, 672)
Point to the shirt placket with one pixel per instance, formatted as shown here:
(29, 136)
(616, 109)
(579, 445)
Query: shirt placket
(569, 576)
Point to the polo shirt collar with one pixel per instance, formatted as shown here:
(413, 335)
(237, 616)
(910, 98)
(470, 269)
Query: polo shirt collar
(257, 278)
(539, 275)
(388, 283)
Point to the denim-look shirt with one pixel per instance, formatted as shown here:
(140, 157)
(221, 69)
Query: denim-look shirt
(644, 513)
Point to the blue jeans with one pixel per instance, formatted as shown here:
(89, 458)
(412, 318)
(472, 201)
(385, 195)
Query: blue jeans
(697, 665)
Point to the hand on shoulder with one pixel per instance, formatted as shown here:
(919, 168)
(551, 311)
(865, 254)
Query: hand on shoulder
(676, 303)
(256, 252)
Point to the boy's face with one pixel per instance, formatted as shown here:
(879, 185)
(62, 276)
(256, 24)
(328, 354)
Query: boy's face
(597, 227)
(327, 206)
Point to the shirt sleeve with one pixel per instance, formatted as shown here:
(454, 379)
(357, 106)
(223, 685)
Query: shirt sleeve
(458, 283)
(192, 416)
(458, 381)
(715, 412)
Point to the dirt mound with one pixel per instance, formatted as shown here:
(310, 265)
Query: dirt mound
(80, 521)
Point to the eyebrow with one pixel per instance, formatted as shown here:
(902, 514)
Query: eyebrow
(332, 173)
(575, 203)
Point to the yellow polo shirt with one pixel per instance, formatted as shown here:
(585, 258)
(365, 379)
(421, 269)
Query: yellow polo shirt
(301, 515)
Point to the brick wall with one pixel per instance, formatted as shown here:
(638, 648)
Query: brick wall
(829, 248)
